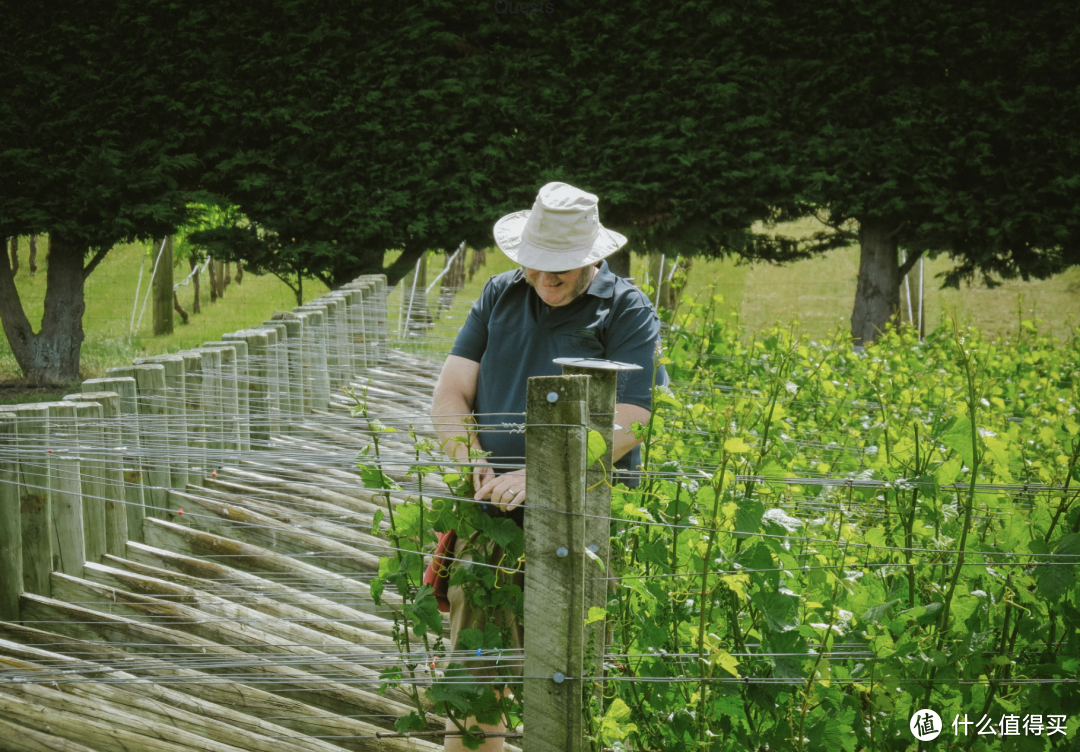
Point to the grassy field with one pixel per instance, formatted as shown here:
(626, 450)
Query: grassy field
(818, 293)
(111, 340)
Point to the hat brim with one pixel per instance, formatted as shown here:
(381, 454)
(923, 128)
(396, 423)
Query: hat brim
(508, 236)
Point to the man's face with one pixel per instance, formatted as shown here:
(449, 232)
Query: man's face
(559, 288)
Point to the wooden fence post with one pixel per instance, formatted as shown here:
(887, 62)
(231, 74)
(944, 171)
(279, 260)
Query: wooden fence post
(557, 417)
(257, 389)
(328, 308)
(32, 429)
(338, 338)
(316, 325)
(65, 490)
(91, 445)
(272, 364)
(11, 565)
(213, 406)
(358, 346)
(279, 354)
(194, 407)
(603, 385)
(294, 338)
(229, 396)
(177, 435)
(237, 372)
(112, 475)
(131, 446)
(153, 422)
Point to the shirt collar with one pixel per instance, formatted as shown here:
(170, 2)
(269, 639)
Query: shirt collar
(604, 284)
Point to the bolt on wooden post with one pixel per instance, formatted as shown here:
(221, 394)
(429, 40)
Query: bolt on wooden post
(557, 418)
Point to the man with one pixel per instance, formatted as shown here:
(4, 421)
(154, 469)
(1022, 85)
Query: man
(563, 302)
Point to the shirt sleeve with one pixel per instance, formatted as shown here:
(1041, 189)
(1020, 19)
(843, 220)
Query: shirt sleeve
(634, 337)
(472, 338)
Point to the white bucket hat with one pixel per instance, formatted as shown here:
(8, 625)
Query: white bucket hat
(560, 233)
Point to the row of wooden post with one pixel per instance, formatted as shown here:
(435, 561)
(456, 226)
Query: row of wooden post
(77, 477)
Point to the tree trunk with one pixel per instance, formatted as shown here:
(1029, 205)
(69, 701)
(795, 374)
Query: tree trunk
(619, 263)
(228, 277)
(877, 297)
(179, 308)
(196, 306)
(239, 272)
(33, 255)
(163, 290)
(51, 355)
(479, 259)
(213, 280)
(14, 255)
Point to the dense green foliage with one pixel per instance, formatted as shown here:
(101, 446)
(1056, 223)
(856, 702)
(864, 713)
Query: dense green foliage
(845, 538)
(946, 122)
(827, 541)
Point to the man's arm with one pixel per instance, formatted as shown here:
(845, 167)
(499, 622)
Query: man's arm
(452, 405)
(626, 415)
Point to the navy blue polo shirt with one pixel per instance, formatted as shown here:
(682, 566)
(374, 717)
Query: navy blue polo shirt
(513, 334)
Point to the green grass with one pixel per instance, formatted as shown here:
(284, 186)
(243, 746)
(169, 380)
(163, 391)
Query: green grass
(110, 299)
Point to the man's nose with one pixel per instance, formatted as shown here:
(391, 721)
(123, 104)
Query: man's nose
(547, 278)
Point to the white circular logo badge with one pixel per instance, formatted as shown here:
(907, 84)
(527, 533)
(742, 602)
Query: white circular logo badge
(925, 725)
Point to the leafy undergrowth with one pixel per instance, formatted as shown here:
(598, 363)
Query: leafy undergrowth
(825, 544)
(828, 541)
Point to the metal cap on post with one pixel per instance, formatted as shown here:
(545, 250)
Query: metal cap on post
(555, 465)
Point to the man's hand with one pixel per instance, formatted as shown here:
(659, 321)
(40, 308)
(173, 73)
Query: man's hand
(505, 491)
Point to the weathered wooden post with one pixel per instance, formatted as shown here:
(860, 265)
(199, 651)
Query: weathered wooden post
(294, 334)
(271, 357)
(279, 354)
(378, 323)
(229, 405)
(337, 341)
(130, 445)
(111, 464)
(194, 406)
(315, 324)
(32, 429)
(153, 425)
(358, 292)
(91, 417)
(65, 490)
(238, 340)
(557, 417)
(234, 364)
(11, 565)
(257, 390)
(213, 407)
(603, 384)
(177, 435)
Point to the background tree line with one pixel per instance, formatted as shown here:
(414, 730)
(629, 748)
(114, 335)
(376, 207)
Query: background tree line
(344, 130)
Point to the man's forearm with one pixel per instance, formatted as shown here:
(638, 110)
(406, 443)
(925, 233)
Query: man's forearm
(626, 415)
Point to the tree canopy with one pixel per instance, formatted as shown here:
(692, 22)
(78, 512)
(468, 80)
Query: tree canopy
(99, 143)
(942, 127)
